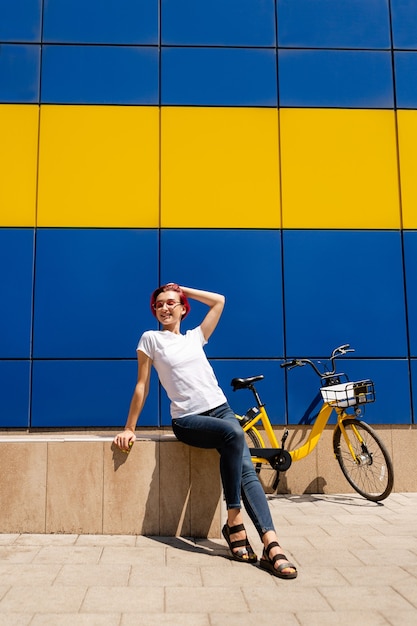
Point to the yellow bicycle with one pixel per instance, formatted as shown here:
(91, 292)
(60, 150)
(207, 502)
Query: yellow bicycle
(362, 456)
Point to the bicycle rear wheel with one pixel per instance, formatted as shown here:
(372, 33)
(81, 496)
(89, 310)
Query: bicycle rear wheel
(371, 473)
(268, 477)
(253, 441)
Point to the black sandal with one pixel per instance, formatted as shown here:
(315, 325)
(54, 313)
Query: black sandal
(268, 563)
(246, 553)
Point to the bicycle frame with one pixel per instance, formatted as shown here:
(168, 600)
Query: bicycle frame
(331, 380)
(304, 450)
(362, 457)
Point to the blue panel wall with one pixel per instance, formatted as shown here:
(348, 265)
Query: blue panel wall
(100, 75)
(414, 384)
(335, 78)
(329, 24)
(16, 290)
(219, 77)
(271, 389)
(20, 20)
(218, 23)
(246, 266)
(406, 79)
(19, 72)
(98, 21)
(75, 300)
(393, 402)
(15, 393)
(88, 393)
(410, 251)
(404, 24)
(90, 297)
(348, 286)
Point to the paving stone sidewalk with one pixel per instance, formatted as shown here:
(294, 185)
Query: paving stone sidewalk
(357, 564)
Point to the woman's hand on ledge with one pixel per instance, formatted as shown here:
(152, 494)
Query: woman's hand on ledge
(125, 440)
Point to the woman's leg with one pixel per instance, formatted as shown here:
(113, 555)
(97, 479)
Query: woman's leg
(221, 430)
(253, 496)
(211, 431)
(257, 507)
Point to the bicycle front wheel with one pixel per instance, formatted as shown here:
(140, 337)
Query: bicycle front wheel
(371, 472)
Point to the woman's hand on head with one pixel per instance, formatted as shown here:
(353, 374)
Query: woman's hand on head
(125, 440)
(215, 301)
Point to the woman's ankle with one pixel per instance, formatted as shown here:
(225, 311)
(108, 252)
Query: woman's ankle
(234, 517)
(269, 537)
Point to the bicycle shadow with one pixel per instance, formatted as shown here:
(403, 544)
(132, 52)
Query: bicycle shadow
(326, 498)
(316, 486)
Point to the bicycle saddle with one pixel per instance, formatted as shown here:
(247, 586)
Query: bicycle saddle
(244, 383)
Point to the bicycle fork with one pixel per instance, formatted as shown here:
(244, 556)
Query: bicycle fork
(363, 459)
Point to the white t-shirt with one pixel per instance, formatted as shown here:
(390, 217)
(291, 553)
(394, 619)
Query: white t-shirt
(183, 370)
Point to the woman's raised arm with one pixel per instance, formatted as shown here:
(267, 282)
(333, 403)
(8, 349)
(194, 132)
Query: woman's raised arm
(215, 302)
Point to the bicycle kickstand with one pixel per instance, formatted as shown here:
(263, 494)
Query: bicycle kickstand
(277, 477)
(276, 481)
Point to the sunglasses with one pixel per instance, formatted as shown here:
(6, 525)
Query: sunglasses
(170, 304)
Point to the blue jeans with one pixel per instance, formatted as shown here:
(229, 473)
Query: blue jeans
(220, 429)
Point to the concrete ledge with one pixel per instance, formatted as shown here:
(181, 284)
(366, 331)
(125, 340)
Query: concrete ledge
(65, 483)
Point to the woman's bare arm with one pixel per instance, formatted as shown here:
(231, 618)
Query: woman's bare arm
(126, 438)
(215, 302)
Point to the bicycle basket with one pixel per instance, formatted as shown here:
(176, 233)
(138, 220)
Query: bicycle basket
(349, 394)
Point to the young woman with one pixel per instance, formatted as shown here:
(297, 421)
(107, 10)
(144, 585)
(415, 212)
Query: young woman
(201, 416)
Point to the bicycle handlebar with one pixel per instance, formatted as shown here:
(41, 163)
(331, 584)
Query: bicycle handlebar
(341, 350)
